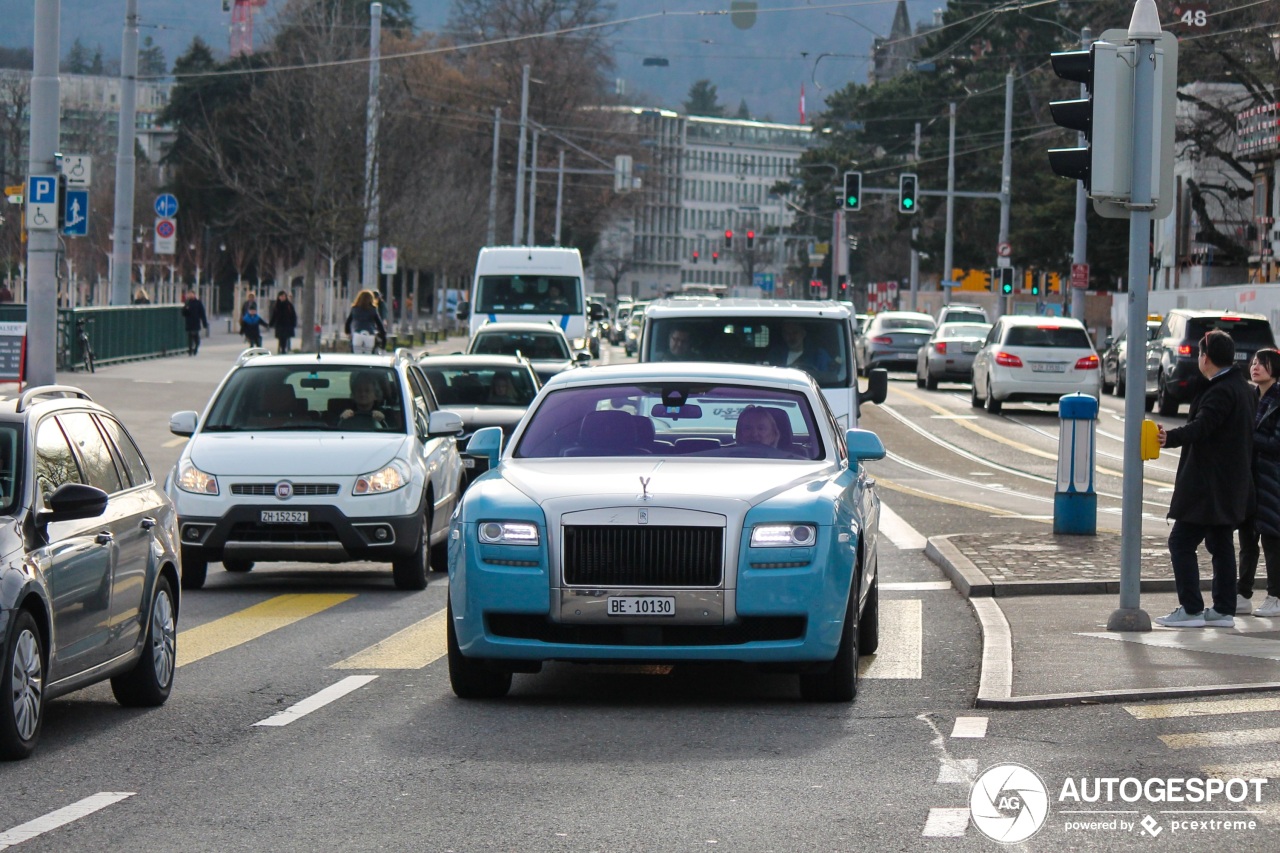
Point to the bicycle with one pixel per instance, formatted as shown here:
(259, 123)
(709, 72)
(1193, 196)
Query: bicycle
(86, 345)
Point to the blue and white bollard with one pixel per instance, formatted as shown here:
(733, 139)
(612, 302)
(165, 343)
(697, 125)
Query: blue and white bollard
(1075, 503)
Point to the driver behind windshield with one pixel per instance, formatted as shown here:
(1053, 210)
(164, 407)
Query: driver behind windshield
(366, 397)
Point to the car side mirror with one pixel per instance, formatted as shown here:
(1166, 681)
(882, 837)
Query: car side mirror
(183, 423)
(74, 500)
(443, 423)
(1108, 342)
(582, 358)
(863, 444)
(486, 444)
(877, 386)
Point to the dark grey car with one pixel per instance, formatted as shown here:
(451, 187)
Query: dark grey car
(1115, 364)
(948, 354)
(892, 339)
(89, 572)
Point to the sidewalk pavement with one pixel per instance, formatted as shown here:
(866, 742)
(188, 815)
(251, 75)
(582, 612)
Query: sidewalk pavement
(1043, 602)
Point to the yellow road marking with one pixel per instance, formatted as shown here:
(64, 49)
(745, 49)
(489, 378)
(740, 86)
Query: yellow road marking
(251, 623)
(901, 649)
(1025, 448)
(1247, 770)
(1167, 710)
(1241, 737)
(175, 442)
(413, 648)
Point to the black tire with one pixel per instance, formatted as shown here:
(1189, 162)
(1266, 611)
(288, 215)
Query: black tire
(150, 681)
(194, 572)
(839, 681)
(974, 400)
(1165, 403)
(470, 678)
(21, 701)
(993, 405)
(1148, 403)
(1118, 388)
(238, 566)
(869, 621)
(919, 380)
(930, 383)
(410, 571)
(439, 556)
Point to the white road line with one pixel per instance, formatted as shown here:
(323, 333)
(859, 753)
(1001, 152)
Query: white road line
(946, 823)
(61, 817)
(902, 535)
(1247, 770)
(970, 727)
(312, 703)
(915, 586)
(1236, 737)
(901, 649)
(1167, 710)
(1210, 640)
(962, 772)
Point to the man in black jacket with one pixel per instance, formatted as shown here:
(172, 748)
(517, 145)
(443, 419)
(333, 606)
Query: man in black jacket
(1213, 491)
(194, 317)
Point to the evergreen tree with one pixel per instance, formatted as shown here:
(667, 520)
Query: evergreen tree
(77, 61)
(151, 62)
(702, 100)
(743, 112)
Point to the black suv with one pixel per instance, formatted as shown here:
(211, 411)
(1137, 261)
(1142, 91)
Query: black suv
(89, 572)
(1179, 379)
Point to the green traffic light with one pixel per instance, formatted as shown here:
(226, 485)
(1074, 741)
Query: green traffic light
(908, 202)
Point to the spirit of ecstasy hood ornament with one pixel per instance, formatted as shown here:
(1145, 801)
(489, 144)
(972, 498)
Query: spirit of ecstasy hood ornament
(644, 489)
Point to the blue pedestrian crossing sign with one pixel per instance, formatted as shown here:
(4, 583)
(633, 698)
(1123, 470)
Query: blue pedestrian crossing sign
(166, 205)
(75, 213)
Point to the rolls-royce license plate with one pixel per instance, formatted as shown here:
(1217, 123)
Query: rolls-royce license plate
(284, 516)
(641, 605)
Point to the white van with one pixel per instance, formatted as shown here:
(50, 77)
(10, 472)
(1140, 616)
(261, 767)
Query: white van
(814, 336)
(530, 284)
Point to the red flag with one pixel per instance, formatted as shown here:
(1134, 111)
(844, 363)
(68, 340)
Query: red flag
(802, 117)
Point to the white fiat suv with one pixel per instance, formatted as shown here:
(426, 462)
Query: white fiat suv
(317, 458)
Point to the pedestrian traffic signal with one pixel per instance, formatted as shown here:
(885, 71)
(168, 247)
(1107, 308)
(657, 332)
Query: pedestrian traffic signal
(715, 257)
(695, 257)
(728, 239)
(1006, 281)
(907, 193)
(751, 239)
(852, 199)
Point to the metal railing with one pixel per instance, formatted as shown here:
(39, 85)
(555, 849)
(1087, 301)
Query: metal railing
(119, 333)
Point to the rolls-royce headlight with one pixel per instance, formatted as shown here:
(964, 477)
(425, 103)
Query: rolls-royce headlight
(388, 479)
(783, 535)
(508, 533)
(192, 479)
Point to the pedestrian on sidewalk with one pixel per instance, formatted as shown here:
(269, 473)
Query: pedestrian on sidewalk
(1265, 523)
(253, 323)
(284, 320)
(194, 317)
(1213, 490)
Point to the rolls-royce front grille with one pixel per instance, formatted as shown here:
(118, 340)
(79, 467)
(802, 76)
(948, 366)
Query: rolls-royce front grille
(612, 555)
(299, 489)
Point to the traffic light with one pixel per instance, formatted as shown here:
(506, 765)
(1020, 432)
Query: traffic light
(1035, 283)
(695, 256)
(990, 279)
(751, 239)
(852, 199)
(715, 257)
(907, 193)
(728, 239)
(1006, 281)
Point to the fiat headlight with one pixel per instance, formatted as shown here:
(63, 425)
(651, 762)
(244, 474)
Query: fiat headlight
(508, 533)
(783, 535)
(388, 479)
(192, 479)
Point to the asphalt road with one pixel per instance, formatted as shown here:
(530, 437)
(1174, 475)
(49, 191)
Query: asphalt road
(587, 758)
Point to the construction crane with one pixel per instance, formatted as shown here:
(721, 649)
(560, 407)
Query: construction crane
(241, 24)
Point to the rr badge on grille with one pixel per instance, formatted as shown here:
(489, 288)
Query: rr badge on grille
(284, 490)
(644, 517)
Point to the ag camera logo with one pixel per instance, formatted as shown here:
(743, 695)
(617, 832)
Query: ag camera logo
(1009, 803)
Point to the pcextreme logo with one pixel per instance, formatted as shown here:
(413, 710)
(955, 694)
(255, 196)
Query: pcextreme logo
(1009, 803)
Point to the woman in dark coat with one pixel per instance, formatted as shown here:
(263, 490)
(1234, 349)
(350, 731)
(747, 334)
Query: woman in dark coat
(284, 319)
(1264, 370)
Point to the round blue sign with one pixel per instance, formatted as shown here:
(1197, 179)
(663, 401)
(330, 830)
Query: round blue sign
(166, 204)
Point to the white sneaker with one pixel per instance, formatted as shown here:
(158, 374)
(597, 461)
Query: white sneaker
(1181, 619)
(1244, 606)
(1270, 607)
(1214, 619)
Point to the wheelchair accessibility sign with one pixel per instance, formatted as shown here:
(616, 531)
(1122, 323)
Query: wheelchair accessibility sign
(42, 203)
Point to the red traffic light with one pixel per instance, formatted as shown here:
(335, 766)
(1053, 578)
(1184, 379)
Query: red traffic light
(751, 238)
(715, 256)
(695, 257)
(728, 239)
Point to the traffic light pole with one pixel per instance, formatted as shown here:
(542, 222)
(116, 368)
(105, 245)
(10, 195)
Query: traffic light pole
(1144, 31)
(1080, 243)
(947, 255)
(1006, 181)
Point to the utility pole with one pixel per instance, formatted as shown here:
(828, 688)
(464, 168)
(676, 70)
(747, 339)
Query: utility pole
(1006, 184)
(915, 235)
(524, 127)
(947, 254)
(122, 245)
(42, 243)
(559, 196)
(369, 255)
(491, 232)
(533, 189)
(1080, 244)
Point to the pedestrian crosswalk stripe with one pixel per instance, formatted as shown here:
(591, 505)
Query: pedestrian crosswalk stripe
(1240, 737)
(946, 823)
(958, 772)
(417, 646)
(970, 727)
(1166, 710)
(230, 631)
(1214, 642)
(1245, 770)
(899, 532)
(915, 586)
(901, 650)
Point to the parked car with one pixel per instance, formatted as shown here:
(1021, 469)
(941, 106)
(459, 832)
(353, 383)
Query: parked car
(1034, 359)
(948, 354)
(323, 458)
(671, 512)
(892, 339)
(960, 313)
(1115, 360)
(1178, 377)
(543, 344)
(89, 587)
